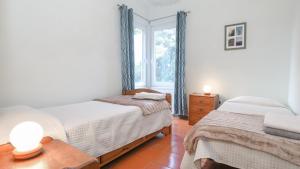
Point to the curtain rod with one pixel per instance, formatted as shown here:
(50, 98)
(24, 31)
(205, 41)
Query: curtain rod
(156, 19)
(137, 14)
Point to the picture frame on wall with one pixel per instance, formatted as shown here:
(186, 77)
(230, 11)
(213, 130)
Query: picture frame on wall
(235, 36)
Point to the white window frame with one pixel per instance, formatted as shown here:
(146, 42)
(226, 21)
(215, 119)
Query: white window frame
(148, 50)
(142, 24)
(167, 23)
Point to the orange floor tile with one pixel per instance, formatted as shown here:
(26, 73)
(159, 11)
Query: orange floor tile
(159, 153)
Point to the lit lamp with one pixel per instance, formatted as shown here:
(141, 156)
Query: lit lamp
(26, 138)
(207, 90)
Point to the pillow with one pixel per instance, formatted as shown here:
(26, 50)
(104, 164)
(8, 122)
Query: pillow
(282, 133)
(257, 101)
(150, 96)
(282, 125)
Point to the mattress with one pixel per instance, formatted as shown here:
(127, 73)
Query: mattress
(98, 127)
(235, 155)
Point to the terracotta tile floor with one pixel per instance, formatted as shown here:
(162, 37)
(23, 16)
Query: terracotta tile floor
(159, 153)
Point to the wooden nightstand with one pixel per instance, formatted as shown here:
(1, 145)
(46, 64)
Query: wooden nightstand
(56, 155)
(200, 105)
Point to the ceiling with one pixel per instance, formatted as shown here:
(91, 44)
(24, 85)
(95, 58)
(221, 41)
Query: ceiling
(161, 2)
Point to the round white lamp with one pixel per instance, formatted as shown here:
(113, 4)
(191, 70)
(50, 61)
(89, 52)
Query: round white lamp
(26, 138)
(207, 90)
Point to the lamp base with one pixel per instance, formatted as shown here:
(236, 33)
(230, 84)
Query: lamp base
(29, 154)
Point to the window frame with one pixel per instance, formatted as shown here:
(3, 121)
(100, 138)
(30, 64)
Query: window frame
(167, 23)
(142, 24)
(148, 28)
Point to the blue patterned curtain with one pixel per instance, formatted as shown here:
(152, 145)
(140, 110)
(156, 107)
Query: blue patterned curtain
(127, 48)
(180, 102)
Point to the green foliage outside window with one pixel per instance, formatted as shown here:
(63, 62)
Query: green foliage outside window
(165, 47)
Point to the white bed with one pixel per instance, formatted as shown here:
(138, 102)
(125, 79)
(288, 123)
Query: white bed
(98, 127)
(235, 155)
(94, 127)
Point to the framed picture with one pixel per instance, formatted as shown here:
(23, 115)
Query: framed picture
(235, 36)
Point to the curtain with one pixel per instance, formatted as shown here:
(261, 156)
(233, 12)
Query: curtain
(180, 101)
(127, 48)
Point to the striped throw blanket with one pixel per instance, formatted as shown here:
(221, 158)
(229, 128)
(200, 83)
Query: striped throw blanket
(244, 130)
(148, 106)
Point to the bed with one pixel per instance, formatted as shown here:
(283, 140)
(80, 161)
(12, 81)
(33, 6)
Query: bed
(104, 130)
(234, 155)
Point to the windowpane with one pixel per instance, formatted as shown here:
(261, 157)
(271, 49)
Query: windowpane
(164, 56)
(139, 60)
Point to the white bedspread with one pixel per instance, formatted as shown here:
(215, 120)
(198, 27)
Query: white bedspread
(233, 154)
(11, 116)
(97, 127)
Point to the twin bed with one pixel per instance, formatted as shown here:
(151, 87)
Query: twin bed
(235, 155)
(101, 129)
(107, 131)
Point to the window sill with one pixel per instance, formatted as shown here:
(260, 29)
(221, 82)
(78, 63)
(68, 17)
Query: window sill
(164, 89)
(159, 89)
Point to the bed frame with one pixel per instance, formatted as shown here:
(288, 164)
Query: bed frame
(108, 157)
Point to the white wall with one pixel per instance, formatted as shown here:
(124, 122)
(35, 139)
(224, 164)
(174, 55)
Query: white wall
(59, 51)
(294, 96)
(261, 70)
(64, 51)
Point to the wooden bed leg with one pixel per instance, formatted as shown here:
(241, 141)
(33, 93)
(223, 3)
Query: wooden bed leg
(167, 130)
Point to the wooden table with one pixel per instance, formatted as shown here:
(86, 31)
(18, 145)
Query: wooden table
(56, 155)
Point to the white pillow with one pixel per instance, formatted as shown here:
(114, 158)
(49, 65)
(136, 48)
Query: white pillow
(282, 122)
(149, 96)
(257, 101)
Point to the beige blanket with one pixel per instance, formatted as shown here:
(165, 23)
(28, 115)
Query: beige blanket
(148, 106)
(245, 130)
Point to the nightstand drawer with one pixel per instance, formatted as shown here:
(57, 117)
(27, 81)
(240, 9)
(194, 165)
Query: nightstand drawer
(202, 101)
(197, 115)
(201, 110)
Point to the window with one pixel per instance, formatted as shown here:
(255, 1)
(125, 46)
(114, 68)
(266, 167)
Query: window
(155, 51)
(140, 32)
(139, 60)
(164, 52)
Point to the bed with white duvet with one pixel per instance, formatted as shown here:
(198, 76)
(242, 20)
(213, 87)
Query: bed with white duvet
(233, 154)
(93, 127)
(98, 127)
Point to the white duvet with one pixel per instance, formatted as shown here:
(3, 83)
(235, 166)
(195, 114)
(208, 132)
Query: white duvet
(93, 127)
(98, 127)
